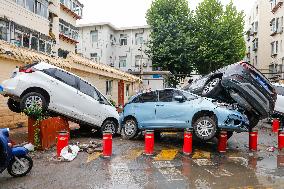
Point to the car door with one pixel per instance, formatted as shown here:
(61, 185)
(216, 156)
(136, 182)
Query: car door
(63, 93)
(90, 109)
(279, 105)
(144, 109)
(169, 112)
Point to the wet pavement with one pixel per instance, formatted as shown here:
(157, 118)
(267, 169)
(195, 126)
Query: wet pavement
(168, 169)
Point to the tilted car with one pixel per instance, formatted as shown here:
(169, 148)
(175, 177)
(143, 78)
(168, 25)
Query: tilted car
(173, 109)
(239, 83)
(62, 92)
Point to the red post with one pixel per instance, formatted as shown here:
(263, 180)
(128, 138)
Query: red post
(62, 141)
(107, 144)
(222, 142)
(149, 142)
(253, 140)
(187, 142)
(275, 125)
(280, 139)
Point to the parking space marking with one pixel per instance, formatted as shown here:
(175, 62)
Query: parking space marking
(219, 173)
(168, 170)
(93, 156)
(203, 162)
(166, 155)
(199, 154)
(243, 161)
(133, 154)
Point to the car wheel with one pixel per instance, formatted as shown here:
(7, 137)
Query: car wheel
(32, 98)
(212, 88)
(109, 125)
(130, 128)
(13, 105)
(240, 100)
(253, 119)
(205, 128)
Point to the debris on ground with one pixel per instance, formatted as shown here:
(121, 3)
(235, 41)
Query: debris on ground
(90, 148)
(30, 147)
(69, 152)
(270, 149)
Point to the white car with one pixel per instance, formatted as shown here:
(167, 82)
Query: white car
(279, 104)
(62, 92)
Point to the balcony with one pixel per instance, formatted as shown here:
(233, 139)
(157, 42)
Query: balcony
(278, 4)
(67, 38)
(74, 8)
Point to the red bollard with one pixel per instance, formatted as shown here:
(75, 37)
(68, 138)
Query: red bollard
(107, 144)
(187, 142)
(280, 139)
(222, 142)
(275, 125)
(253, 140)
(62, 141)
(149, 142)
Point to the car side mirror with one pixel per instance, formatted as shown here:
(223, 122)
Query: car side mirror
(179, 98)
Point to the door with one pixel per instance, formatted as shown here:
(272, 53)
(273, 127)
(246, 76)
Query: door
(63, 93)
(120, 94)
(169, 112)
(89, 106)
(144, 109)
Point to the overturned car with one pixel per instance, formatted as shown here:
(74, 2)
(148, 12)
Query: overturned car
(239, 83)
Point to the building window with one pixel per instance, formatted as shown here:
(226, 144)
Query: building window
(108, 87)
(48, 48)
(41, 45)
(123, 39)
(30, 5)
(26, 40)
(255, 44)
(138, 60)
(255, 60)
(122, 61)
(3, 30)
(21, 2)
(34, 43)
(274, 48)
(127, 90)
(62, 53)
(138, 38)
(94, 36)
(18, 39)
(94, 56)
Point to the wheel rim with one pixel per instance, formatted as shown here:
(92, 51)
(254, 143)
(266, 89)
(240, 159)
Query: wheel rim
(129, 127)
(210, 85)
(204, 128)
(18, 169)
(33, 100)
(110, 127)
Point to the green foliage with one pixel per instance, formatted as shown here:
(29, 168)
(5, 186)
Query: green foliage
(206, 40)
(36, 112)
(170, 39)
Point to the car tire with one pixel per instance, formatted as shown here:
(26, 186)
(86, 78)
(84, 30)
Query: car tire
(109, 125)
(205, 128)
(13, 105)
(212, 88)
(130, 128)
(33, 97)
(253, 119)
(11, 166)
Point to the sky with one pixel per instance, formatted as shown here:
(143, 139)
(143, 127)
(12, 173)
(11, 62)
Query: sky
(123, 13)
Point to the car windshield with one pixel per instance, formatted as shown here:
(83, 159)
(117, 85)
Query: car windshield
(189, 96)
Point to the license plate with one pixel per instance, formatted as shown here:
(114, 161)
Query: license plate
(262, 83)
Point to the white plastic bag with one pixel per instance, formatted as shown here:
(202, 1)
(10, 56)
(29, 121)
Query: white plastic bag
(69, 152)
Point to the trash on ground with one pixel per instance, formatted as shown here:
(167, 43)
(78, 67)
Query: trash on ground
(70, 152)
(30, 147)
(90, 148)
(270, 149)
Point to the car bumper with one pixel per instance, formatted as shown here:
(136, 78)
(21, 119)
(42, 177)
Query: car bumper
(235, 123)
(9, 88)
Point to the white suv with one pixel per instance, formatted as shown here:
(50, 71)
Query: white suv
(279, 104)
(57, 90)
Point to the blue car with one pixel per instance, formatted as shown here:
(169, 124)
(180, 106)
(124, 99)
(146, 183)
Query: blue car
(173, 109)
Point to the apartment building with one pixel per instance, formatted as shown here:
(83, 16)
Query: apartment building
(122, 48)
(257, 36)
(47, 26)
(277, 38)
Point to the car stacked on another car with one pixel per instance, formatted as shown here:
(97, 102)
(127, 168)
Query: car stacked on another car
(62, 92)
(239, 83)
(173, 109)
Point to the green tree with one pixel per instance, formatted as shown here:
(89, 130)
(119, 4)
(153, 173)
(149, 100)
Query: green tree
(170, 40)
(219, 35)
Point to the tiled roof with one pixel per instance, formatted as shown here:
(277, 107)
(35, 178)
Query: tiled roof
(73, 61)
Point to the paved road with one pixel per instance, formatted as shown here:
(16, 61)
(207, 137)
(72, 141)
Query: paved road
(168, 169)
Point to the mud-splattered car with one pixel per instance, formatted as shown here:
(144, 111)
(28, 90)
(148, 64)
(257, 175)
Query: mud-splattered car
(173, 109)
(239, 83)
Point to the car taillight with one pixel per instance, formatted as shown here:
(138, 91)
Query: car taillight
(245, 65)
(29, 70)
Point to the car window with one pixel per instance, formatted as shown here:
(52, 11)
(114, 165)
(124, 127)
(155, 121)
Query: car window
(166, 95)
(65, 78)
(279, 90)
(148, 97)
(189, 96)
(49, 71)
(88, 89)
